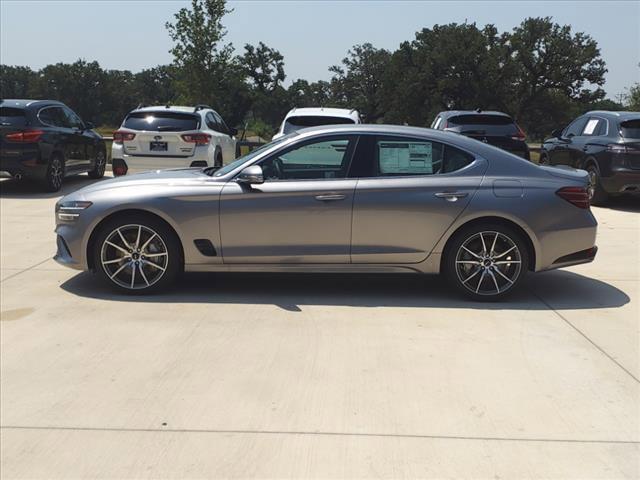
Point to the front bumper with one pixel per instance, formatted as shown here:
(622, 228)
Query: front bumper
(63, 255)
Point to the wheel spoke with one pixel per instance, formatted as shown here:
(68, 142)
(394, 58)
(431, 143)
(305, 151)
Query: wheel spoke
(469, 251)
(506, 262)
(472, 275)
(484, 273)
(109, 262)
(466, 262)
(126, 244)
(504, 276)
(144, 277)
(143, 247)
(495, 281)
(484, 246)
(152, 255)
(133, 274)
(138, 238)
(118, 270)
(493, 245)
(153, 265)
(117, 246)
(504, 253)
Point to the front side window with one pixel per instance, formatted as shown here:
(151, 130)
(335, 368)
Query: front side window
(72, 119)
(211, 122)
(222, 127)
(396, 156)
(576, 127)
(315, 160)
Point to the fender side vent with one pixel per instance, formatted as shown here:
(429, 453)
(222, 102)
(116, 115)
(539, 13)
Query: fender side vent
(205, 247)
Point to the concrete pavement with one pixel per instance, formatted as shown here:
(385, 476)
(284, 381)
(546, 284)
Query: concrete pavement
(323, 376)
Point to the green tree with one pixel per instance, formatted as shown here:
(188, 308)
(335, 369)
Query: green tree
(301, 93)
(207, 70)
(633, 98)
(15, 82)
(155, 86)
(357, 83)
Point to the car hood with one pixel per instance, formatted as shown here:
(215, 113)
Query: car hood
(155, 177)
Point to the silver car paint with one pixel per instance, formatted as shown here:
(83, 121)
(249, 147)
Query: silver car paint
(397, 224)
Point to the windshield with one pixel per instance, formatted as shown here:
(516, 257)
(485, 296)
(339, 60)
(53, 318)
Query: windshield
(245, 158)
(162, 121)
(296, 123)
(484, 124)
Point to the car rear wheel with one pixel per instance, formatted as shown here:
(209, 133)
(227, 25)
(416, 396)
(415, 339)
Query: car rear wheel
(597, 195)
(99, 166)
(137, 254)
(486, 263)
(54, 174)
(218, 160)
(543, 160)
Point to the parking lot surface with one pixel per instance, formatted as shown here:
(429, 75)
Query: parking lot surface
(320, 376)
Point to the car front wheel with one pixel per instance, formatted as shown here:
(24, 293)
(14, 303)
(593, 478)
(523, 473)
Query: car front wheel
(136, 254)
(486, 263)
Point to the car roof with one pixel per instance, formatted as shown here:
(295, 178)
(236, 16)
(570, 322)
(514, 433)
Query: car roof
(324, 112)
(453, 113)
(167, 108)
(625, 115)
(24, 103)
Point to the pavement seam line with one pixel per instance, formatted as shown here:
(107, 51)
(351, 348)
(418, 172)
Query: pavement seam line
(584, 335)
(319, 433)
(26, 269)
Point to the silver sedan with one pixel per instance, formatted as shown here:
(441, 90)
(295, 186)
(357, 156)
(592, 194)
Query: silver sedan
(357, 198)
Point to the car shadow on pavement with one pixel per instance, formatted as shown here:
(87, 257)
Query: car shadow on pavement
(624, 204)
(556, 289)
(10, 188)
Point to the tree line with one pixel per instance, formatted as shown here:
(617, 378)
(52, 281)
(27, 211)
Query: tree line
(540, 72)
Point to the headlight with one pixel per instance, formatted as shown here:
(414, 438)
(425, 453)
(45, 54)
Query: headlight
(69, 211)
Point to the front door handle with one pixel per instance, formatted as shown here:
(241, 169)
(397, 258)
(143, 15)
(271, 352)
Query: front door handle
(330, 197)
(451, 196)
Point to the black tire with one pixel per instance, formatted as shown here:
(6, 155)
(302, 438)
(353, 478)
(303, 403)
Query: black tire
(544, 159)
(99, 165)
(165, 239)
(597, 194)
(491, 285)
(55, 174)
(218, 159)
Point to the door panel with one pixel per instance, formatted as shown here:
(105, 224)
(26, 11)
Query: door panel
(294, 221)
(400, 220)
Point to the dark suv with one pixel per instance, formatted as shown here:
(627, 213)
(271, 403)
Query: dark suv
(45, 140)
(494, 128)
(605, 144)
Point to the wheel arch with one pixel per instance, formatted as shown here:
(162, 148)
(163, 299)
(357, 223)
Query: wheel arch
(531, 250)
(119, 213)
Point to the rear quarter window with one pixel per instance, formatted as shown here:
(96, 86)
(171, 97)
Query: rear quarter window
(630, 128)
(162, 121)
(484, 124)
(14, 117)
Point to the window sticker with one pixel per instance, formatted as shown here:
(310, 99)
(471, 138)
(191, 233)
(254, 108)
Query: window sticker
(591, 126)
(405, 157)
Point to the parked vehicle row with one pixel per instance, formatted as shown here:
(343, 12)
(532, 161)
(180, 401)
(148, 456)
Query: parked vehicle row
(299, 118)
(606, 145)
(45, 140)
(342, 198)
(153, 138)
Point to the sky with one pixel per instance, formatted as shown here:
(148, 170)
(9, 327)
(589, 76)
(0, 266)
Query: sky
(312, 35)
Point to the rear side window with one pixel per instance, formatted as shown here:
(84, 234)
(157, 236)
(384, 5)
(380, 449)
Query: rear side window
(630, 128)
(162, 121)
(15, 117)
(595, 126)
(296, 123)
(54, 117)
(397, 156)
(484, 124)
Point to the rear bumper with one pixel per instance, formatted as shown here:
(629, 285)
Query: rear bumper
(26, 164)
(145, 163)
(622, 181)
(576, 258)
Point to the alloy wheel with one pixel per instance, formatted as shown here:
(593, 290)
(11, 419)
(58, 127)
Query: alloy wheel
(593, 182)
(55, 173)
(100, 163)
(488, 263)
(134, 256)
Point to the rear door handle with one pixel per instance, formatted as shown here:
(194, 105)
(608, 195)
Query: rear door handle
(451, 196)
(330, 197)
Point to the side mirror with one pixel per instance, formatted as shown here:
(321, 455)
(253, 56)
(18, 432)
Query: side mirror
(89, 126)
(251, 175)
(557, 133)
(233, 132)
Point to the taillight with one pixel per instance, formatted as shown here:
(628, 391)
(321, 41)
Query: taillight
(520, 135)
(577, 196)
(26, 136)
(617, 148)
(120, 136)
(197, 138)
